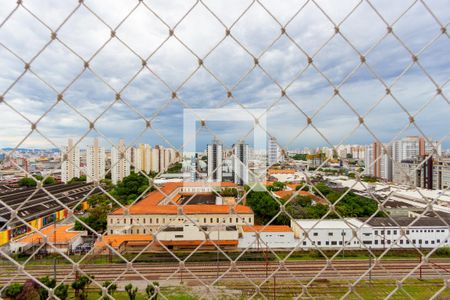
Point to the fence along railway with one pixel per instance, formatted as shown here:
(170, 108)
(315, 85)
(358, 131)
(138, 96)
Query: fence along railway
(290, 270)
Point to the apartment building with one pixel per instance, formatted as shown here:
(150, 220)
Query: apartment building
(377, 161)
(215, 161)
(120, 162)
(95, 162)
(240, 163)
(70, 158)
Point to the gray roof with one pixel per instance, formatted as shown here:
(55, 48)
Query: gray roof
(406, 221)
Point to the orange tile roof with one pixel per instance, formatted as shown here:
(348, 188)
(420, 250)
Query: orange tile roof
(187, 209)
(63, 234)
(281, 171)
(268, 228)
(198, 242)
(115, 240)
(155, 197)
(283, 194)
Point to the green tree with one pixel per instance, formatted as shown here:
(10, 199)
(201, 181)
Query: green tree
(13, 290)
(131, 291)
(322, 188)
(111, 288)
(96, 219)
(80, 286)
(276, 186)
(62, 291)
(130, 188)
(50, 180)
(264, 206)
(299, 157)
(27, 181)
(175, 168)
(48, 282)
(151, 292)
(229, 192)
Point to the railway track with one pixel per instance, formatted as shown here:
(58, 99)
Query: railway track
(208, 272)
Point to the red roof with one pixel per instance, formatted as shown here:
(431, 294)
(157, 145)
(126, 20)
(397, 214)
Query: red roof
(150, 204)
(191, 209)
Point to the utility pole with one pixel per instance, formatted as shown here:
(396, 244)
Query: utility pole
(420, 268)
(274, 287)
(54, 243)
(370, 265)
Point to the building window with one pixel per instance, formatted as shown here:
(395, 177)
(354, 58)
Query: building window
(388, 232)
(124, 221)
(315, 234)
(143, 220)
(157, 220)
(204, 220)
(333, 243)
(319, 242)
(376, 232)
(395, 232)
(330, 234)
(249, 220)
(178, 236)
(327, 243)
(137, 231)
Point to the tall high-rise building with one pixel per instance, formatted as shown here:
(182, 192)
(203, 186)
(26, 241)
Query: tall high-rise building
(143, 158)
(274, 154)
(377, 161)
(70, 166)
(412, 147)
(155, 159)
(215, 161)
(240, 163)
(95, 162)
(120, 162)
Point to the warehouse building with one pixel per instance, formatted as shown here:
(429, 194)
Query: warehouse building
(376, 233)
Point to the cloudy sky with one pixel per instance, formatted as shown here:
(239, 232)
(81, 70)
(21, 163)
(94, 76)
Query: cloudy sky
(83, 33)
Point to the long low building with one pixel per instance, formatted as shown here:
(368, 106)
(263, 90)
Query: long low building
(376, 233)
(62, 237)
(270, 236)
(176, 215)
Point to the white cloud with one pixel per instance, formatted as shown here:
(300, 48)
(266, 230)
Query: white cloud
(143, 33)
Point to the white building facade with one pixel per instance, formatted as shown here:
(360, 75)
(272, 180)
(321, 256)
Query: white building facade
(120, 162)
(95, 162)
(70, 158)
(377, 233)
